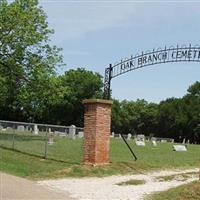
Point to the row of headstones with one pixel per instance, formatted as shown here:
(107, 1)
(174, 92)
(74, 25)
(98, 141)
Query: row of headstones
(140, 141)
(35, 131)
(21, 128)
(72, 133)
(142, 138)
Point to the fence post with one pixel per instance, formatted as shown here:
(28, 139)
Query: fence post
(45, 149)
(13, 139)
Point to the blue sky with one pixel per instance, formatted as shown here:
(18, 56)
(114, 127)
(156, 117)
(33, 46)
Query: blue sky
(96, 33)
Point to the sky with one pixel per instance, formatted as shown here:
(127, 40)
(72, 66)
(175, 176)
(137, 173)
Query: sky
(94, 34)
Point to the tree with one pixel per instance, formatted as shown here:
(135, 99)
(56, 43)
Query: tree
(27, 60)
(136, 117)
(173, 119)
(192, 99)
(194, 90)
(176, 118)
(74, 86)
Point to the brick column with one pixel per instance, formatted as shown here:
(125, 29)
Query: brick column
(97, 121)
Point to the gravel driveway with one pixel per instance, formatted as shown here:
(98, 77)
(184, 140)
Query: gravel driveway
(107, 188)
(15, 188)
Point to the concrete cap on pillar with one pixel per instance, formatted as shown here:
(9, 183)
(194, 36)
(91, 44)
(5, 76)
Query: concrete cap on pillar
(93, 101)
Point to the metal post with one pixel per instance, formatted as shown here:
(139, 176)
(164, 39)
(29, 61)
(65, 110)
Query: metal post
(45, 149)
(129, 147)
(13, 140)
(107, 81)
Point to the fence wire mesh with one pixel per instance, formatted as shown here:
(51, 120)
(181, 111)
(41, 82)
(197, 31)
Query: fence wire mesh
(63, 143)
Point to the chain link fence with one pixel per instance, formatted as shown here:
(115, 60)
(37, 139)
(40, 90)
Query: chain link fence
(63, 143)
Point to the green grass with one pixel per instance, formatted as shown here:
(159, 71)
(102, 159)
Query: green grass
(161, 157)
(181, 177)
(65, 156)
(132, 182)
(185, 192)
(63, 149)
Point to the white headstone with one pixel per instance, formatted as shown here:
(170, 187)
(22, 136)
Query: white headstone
(50, 142)
(154, 143)
(61, 134)
(140, 143)
(112, 134)
(188, 141)
(183, 141)
(129, 136)
(49, 130)
(9, 128)
(72, 132)
(179, 148)
(80, 134)
(140, 138)
(35, 129)
(20, 128)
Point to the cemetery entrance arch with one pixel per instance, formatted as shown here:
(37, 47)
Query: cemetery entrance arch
(97, 116)
(166, 55)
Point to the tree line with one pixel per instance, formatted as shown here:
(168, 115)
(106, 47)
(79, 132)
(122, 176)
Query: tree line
(32, 90)
(177, 118)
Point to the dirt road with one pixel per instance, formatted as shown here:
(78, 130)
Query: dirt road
(15, 188)
(109, 188)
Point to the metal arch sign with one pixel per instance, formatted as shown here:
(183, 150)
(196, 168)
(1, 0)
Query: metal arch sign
(166, 55)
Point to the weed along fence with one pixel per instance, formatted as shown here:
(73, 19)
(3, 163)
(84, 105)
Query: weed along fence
(47, 141)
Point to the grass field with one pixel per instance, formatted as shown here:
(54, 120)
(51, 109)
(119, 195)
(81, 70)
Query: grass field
(64, 157)
(185, 192)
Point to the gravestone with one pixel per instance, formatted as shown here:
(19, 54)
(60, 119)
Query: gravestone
(112, 135)
(154, 143)
(20, 128)
(9, 128)
(80, 134)
(179, 148)
(61, 134)
(140, 137)
(129, 136)
(27, 128)
(140, 140)
(50, 142)
(183, 141)
(72, 132)
(140, 143)
(35, 129)
(1, 127)
(49, 130)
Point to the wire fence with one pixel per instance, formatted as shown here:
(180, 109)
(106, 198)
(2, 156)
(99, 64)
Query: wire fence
(63, 143)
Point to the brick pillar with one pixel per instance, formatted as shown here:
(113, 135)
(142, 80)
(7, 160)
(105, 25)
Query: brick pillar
(97, 121)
